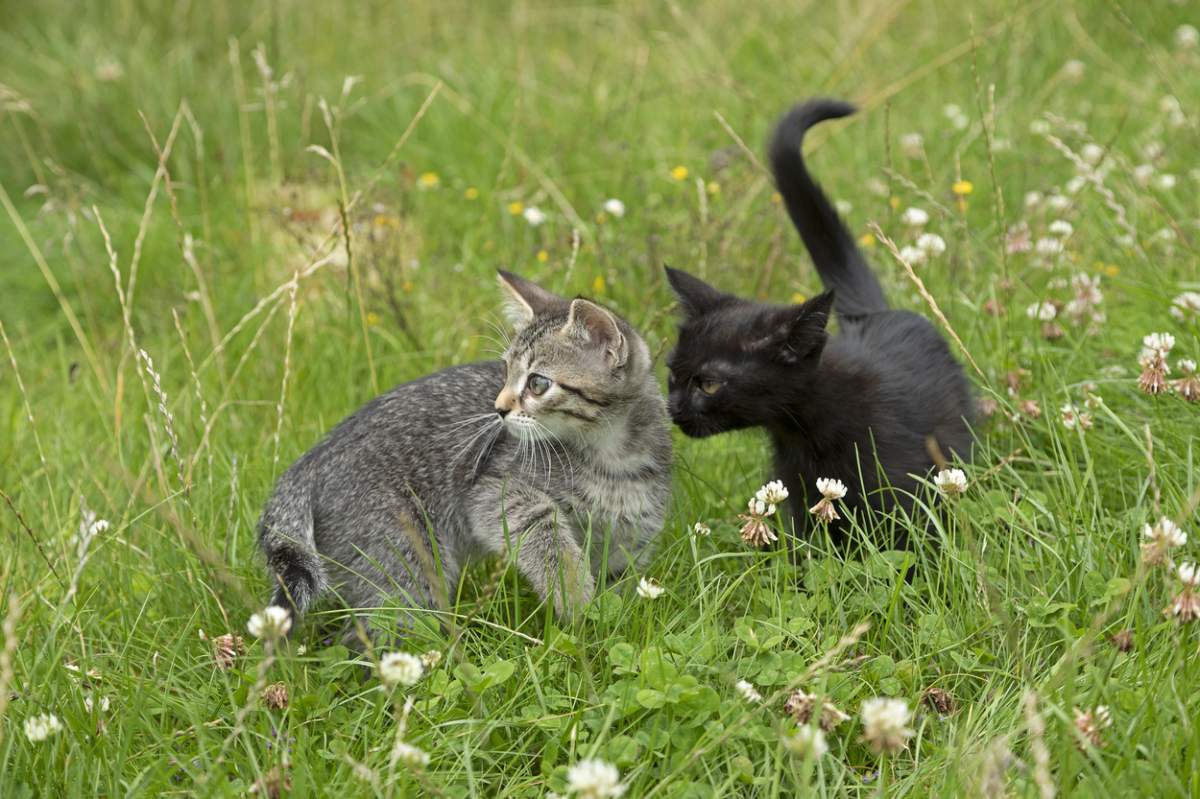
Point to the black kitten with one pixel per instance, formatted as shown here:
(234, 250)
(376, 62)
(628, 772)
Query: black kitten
(861, 406)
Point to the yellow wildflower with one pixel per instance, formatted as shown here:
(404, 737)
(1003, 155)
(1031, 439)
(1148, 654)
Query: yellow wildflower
(372, 318)
(894, 202)
(680, 173)
(428, 180)
(963, 187)
(713, 188)
(471, 193)
(408, 286)
(542, 256)
(598, 285)
(866, 240)
(1112, 270)
(798, 298)
(516, 207)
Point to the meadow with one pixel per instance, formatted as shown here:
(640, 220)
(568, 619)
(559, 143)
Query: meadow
(227, 225)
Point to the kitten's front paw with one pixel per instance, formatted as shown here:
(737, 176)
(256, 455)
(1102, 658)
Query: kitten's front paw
(572, 594)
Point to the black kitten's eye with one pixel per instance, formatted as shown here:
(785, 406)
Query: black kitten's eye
(710, 387)
(537, 384)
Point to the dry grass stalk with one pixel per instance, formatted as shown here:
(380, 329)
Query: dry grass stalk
(924, 292)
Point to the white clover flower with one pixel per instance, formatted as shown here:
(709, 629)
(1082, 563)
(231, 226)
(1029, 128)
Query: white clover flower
(951, 482)
(807, 742)
(593, 778)
(701, 529)
(1165, 234)
(912, 145)
(747, 691)
(614, 207)
(39, 728)
(89, 703)
(843, 207)
(1159, 343)
(831, 488)
(1061, 228)
(1187, 37)
(410, 755)
(1058, 202)
(431, 658)
(773, 493)
(1033, 199)
(877, 187)
(914, 217)
(913, 256)
(760, 507)
(400, 668)
(1091, 153)
(1070, 416)
(956, 116)
(273, 622)
(1076, 184)
(1188, 574)
(1159, 539)
(1048, 246)
(1142, 173)
(648, 589)
(1073, 69)
(931, 243)
(534, 215)
(1186, 365)
(1186, 304)
(1167, 533)
(885, 724)
(1166, 182)
(1087, 288)
(1044, 311)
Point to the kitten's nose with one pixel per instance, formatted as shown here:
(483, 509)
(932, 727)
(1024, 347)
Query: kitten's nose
(505, 402)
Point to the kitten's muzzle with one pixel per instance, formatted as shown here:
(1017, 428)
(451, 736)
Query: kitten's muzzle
(506, 401)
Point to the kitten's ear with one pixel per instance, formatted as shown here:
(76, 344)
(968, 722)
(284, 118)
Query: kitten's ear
(696, 296)
(524, 300)
(798, 333)
(588, 322)
(806, 334)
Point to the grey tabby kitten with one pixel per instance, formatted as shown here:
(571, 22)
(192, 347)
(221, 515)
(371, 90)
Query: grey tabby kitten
(561, 452)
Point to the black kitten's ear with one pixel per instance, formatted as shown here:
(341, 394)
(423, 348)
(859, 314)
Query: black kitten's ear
(590, 323)
(696, 296)
(524, 300)
(797, 333)
(814, 313)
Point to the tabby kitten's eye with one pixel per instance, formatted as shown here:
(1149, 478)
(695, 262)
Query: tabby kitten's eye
(710, 387)
(537, 384)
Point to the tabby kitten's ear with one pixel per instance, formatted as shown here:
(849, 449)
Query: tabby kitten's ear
(525, 300)
(798, 334)
(696, 296)
(589, 323)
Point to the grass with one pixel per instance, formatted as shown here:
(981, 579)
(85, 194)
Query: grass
(206, 173)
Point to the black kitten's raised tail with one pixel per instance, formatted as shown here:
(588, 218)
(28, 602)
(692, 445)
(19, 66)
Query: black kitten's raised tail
(839, 261)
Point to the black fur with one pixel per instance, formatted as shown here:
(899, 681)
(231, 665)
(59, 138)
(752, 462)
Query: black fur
(860, 406)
